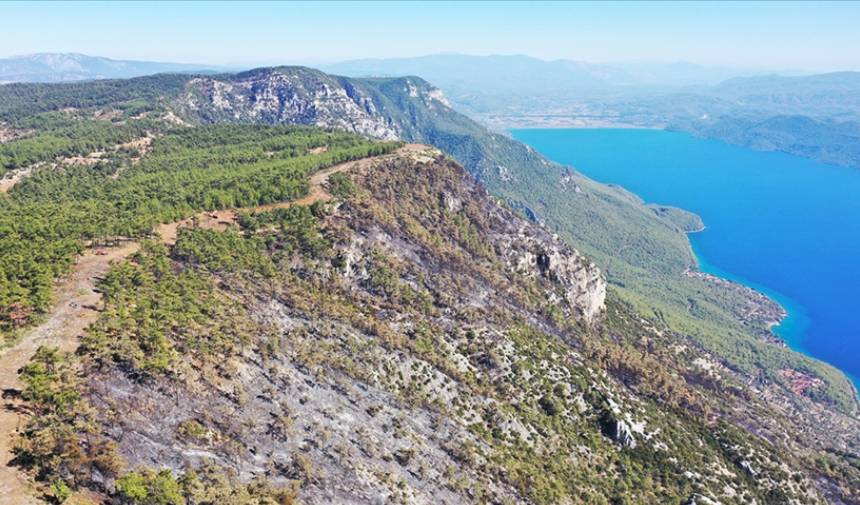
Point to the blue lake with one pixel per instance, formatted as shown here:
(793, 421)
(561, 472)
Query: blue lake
(785, 225)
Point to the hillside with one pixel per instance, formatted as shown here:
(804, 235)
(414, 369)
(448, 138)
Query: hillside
(415, 339)
(644, 253)
(827, 141)
(432, 348)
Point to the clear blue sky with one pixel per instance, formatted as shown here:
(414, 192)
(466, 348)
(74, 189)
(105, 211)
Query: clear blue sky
(809, 36)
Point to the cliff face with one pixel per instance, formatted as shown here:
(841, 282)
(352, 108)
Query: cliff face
(487, 233)
(406, 108)
(581, 286)
(283, 97)
(296, 95)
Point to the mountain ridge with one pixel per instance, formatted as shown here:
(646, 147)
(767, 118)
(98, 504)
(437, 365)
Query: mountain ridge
(420, 351)
(641, 251)
(419, 240)
(63, 67)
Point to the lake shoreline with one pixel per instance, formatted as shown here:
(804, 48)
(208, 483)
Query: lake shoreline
(757, 205)
(790, 329)
(505, 123)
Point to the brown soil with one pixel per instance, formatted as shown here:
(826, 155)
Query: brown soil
(88, 160)
(142, 144)
(7, 134)
(107, 114)
(799, 382)
(10, 179)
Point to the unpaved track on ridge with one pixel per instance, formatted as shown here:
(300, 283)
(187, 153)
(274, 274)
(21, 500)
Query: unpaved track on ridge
(72, 313)
(9, 180)
(75, 309)
(221, 219)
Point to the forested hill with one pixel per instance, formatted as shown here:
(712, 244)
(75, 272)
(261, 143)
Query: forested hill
(643, 252)
(418, 264)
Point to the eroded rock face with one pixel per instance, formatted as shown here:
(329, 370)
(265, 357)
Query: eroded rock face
(296, 95)
(572, 283)
(618, 430)
(582, 285)
(623, 435)
(286, 96)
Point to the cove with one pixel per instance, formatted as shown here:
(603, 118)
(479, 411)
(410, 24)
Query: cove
(785, 225)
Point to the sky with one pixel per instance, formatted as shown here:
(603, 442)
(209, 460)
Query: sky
(820, 36)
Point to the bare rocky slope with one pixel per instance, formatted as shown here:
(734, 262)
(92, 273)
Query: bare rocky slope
(440, 349)
(351, 401)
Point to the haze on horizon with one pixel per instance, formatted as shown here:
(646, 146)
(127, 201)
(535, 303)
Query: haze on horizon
(796, 36)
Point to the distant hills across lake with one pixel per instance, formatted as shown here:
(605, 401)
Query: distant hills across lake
(814, 116)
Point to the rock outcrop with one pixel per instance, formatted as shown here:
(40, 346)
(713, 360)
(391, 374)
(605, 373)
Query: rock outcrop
(297, 96)
(583, 287)
(573, 284)
(620, 432)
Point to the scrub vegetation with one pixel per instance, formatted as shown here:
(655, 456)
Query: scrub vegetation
(59, 210)
(420, 335)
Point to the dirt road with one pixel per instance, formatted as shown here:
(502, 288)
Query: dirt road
(72, 313)
(75, 309)
(221, 219)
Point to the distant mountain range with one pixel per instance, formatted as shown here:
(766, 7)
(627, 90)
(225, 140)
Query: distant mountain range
(529, 72)
(61, 67)
(484, 84)
(816, 116)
